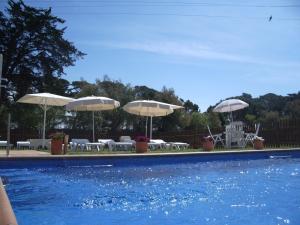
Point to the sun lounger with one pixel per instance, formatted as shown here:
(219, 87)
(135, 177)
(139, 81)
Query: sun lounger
(126, 144)
(179, 145)
(5, 144)
(120, 145)
(97, 145)
(77, 143)
(85, 144)
(113, 145)
(23, 144)
(158, 144)
(154, 146)
(38, 143)
(127, 139)
(33, 144)
(105, 142)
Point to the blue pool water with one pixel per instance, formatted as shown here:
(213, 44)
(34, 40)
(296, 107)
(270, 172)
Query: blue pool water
(264, 191)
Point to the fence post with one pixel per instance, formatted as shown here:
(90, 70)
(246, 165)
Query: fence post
(8, 135)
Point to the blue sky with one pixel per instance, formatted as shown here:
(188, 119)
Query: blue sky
(205, 50)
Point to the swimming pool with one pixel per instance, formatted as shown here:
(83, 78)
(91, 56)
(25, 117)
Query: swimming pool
(260, 190)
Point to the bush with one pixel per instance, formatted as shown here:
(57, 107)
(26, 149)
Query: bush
(57, 136)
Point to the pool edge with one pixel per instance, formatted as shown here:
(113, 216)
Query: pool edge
(152, 154)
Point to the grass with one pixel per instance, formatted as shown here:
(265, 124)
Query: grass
(106, 151)
(218, 149)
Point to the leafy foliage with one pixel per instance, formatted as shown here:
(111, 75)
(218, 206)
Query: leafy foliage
(266, 108)
(34, 50)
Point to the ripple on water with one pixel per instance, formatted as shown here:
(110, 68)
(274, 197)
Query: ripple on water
(243, 192)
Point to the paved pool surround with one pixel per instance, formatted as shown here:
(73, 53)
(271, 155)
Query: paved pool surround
(142, 159)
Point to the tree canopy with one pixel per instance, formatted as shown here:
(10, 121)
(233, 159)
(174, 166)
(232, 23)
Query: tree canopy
(267, 108)
(34, 50)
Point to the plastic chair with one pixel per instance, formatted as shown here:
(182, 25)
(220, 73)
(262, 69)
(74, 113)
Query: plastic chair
(216, 137)
(249, 137)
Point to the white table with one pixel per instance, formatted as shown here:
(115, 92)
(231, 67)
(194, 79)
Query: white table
(235, 136)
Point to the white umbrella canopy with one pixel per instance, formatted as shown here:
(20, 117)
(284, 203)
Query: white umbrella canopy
(230, 105)
(92, 103)
(45, 100)
(150, 108)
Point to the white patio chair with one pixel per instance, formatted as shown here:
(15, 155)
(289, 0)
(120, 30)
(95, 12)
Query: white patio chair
(249, 137)
(216, 137)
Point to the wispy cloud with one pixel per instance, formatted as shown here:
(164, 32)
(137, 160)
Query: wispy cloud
(193, 50)
(189, 50)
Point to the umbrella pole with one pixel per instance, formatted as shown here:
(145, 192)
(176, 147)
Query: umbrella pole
(44, 125)
(101, 119)
(146, 131)
(150, 127)
(231, 127)
(93, 126)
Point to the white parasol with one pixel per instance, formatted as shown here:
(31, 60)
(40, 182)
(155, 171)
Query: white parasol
(45, 100)
(93, 103)
(150, 108)
(230, 105)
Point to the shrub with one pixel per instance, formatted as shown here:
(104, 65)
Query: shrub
(57, 136)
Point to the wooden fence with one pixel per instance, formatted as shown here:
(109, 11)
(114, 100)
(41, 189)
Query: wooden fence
(282, 133)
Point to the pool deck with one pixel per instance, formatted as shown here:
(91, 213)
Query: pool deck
(23, 153)
(40, 154)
